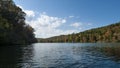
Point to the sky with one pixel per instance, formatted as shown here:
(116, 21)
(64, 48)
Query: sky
(60, 17)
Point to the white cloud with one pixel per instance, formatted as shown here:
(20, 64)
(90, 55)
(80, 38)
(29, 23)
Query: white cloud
(76, 24)
(71, 16)
(29, 13)
(47, 21)
(47, 26)
(20, 6)
(89, 24)
(53, 32)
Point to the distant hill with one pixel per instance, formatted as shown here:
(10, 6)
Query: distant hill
(110, 33)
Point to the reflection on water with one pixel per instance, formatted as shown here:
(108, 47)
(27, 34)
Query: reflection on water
(111, 51)
(14, 56)
(61, 55)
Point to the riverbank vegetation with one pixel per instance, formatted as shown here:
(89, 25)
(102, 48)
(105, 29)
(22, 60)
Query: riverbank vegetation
(13, 29)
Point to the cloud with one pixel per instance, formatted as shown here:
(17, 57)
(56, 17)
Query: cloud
(53, 32)
(47, 26)
(76, 24)
(20, 6)
(46, 21)
(29, 13)
(90, 24)
(71, 16)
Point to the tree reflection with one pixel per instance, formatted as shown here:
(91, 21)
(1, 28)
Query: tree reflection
(15, 56)
(111, 51)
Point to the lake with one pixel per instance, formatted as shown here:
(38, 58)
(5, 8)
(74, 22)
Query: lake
(61, 55)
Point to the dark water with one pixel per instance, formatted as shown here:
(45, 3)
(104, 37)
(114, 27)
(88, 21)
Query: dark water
(61, 55)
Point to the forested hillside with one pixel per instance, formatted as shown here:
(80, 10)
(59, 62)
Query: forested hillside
(110, 33)
(13, 29)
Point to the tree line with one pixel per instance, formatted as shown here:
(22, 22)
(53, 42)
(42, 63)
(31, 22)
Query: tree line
(110, 33)
(13, 29)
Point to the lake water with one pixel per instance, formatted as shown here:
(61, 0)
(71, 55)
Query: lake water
(61, 55)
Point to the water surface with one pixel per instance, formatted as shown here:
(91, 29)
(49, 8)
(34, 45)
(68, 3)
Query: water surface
(61, 55)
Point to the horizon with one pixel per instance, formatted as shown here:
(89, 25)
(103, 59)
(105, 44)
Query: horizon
(54, 18)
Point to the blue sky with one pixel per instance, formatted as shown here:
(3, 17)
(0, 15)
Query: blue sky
(56, 17)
